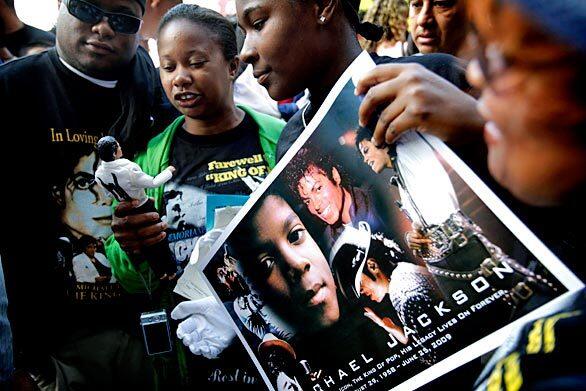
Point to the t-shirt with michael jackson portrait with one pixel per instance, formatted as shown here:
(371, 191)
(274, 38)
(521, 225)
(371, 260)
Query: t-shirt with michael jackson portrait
(228, 163)
(59, 217)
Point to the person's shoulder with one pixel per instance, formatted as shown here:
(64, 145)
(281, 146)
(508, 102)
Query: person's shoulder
(160, 141)
(269, 127)
(38, 36)
(25, 66)
(296, 121)
(294, 127)
(118, 163)
(145, 67)
(102, 258)
(409, 268)
(262, 119)
(290, 133)
(143, 55)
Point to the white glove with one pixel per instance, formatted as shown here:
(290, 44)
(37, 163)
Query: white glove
(207, 330)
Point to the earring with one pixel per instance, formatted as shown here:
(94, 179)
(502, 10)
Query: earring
(322, 19)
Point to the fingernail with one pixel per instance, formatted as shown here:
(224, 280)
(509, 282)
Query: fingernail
(390, 136)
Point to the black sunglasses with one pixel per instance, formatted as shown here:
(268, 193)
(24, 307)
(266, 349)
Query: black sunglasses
(89, 13)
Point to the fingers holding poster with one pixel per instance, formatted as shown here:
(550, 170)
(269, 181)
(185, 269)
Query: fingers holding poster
(359, 267)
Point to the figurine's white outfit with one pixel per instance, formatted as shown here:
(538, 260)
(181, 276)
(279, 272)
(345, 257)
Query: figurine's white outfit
(126, 181)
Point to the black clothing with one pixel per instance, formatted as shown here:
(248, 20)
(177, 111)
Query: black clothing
(57, 116)
(231, 162)
(208, 161)
(23, 39)
(444, 65)
(103, 271)
(543, 354)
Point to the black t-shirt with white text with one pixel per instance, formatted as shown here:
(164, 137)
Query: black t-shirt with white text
(231, 162)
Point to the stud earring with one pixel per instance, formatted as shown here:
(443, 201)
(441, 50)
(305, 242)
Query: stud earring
(322, 19)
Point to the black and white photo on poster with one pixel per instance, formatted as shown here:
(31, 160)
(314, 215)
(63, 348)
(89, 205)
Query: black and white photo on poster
(354, 267)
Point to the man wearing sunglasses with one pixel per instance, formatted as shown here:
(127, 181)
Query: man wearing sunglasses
(57, 104)
(99, 42)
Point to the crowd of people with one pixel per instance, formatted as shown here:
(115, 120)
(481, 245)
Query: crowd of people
(500, 81)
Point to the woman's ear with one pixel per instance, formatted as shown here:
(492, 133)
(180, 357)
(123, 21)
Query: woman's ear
(233, 67)
(326, 10)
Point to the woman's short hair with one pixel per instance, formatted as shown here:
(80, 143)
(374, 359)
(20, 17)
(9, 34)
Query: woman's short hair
(219, 26)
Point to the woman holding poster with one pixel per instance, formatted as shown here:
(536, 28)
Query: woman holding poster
(288, 60)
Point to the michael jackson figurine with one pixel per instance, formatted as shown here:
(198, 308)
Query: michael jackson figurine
(125, 181)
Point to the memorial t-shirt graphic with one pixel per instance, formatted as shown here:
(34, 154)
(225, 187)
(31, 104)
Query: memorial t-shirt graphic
(185, 204)
(228, 163)
(84, 214)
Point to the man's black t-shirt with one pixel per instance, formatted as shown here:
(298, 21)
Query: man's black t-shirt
(51, 119)
(444, 65)
(227, 163)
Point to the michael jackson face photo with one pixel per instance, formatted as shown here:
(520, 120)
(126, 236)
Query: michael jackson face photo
(374, 282)
(86, 209)
(376, 158)
(322, 194)
(286, 266)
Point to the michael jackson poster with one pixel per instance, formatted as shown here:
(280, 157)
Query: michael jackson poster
(356, 267)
